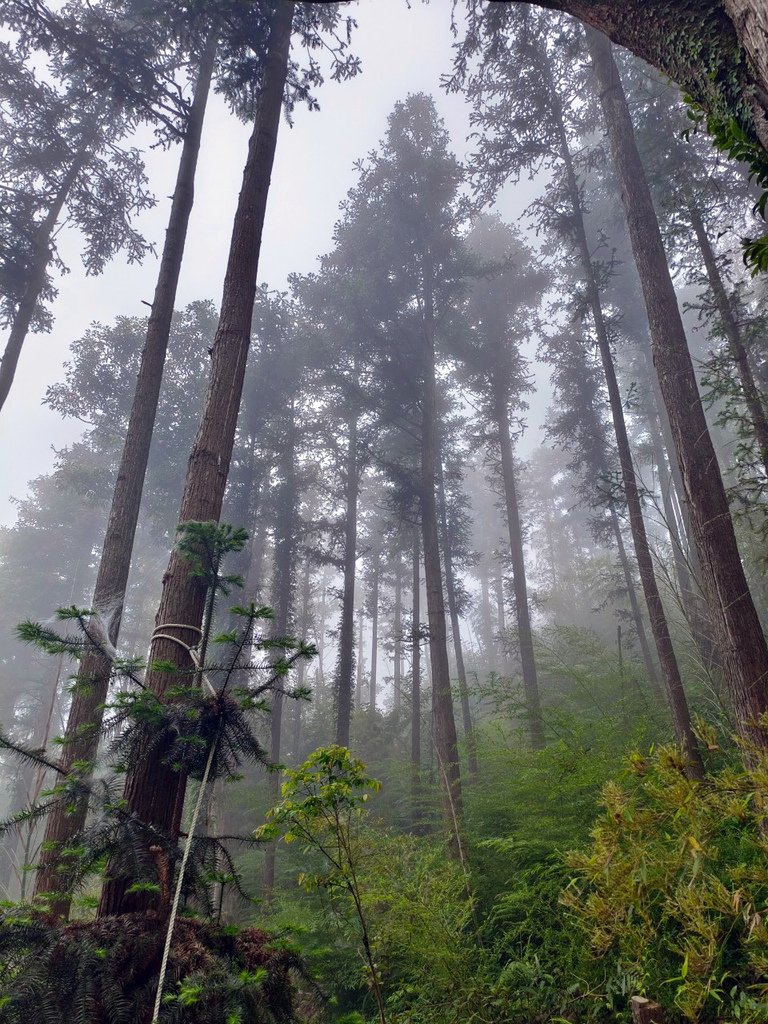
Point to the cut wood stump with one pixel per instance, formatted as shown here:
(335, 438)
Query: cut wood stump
(645, 1011)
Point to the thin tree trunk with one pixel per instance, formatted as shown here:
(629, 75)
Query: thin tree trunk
(41, 247)
(154, 792)
(285, 538)
(86, 711)
(397, 628)
(737, 627)
(374, 629)
(752, 397)
(416, 684)
(673, 682)
(446, 743)
(637, 618)
(360, 654)
(485, 617)
(346, 659)
(517, 556)
(453, 610)
(301, 673)
(501, 615)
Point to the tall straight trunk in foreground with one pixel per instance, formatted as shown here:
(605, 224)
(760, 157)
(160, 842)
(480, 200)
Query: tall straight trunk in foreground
(673, 682)
(738, 633)
(154, 792)
(446, 743)
(41, 258)
(517, 556)
(346, 660)
(86, 711)
(453, 611)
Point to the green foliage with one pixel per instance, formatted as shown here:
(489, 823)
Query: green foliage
(670, 893)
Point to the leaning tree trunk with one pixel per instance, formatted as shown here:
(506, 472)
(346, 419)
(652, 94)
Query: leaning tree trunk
(752, 396)
(737, 627)
(81, 738)
(346, 659)
(673, 682)
(285, 546)
(517, 556)
(154, 792)
(453, 610)
(446, 743)
(41, 258)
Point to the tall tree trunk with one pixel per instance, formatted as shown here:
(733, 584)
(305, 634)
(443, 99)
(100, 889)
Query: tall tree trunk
(486, 625)
(517, 557)
(446, 743)
(642, 639)
(673, 683)
(397, 628)
(41, 258)
(86, 711)
(360, 654)
(285, 540)
(453, 610)
(346, 659)
(737, 627)
(374, 628)
(154, 792)
(752, 397)
(301, 673)
(501, 614)
(416, 684)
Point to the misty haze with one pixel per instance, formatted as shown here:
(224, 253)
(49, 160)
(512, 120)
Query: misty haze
(383, 512)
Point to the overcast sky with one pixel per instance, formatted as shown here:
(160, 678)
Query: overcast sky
(402, 51)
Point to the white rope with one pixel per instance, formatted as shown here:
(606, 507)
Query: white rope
(191, 651)
(180, 882)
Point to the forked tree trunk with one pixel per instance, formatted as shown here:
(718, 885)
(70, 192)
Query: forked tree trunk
(752, 397)
(446, 743)
(673, 682)
(470, 739)
(519, 583)
(81, 739)
(154, 792)
(285, 549)
(41, 258)
(346, 659)
(737, 627)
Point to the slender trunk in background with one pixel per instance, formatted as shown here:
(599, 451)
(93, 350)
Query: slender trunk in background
(519, 583)
(397, 628)
(374, 628)
(673, 682)
(282, 592)
(416, 684)
(346, 659)
(637, 618)
(752, 397)
(446, 743)
(154, 792)
(360, 654)
(301, 672)
(453, 610)
(41, 258)
(81, 739)
(499, 587)
(738, 633)
(320, 674)
(485, 617)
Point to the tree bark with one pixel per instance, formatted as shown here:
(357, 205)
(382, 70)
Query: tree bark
(153, 791)
(453, 610)
(517, 556)
(374, 629)
(737, 627)
(346, 659)
(81, 738)
(416, 684)
(673, 683)
(397, 628)
(301, 672)
(360, 655)
(446, 743)
(41, 248)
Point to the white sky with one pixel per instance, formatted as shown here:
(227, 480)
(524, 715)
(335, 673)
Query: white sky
(402, 51)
